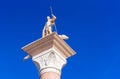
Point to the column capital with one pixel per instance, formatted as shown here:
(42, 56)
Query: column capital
(49, 61)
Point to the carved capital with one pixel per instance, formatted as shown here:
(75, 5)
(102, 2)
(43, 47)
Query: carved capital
(49, 61)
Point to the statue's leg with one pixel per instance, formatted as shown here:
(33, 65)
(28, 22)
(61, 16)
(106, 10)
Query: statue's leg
(50, 30)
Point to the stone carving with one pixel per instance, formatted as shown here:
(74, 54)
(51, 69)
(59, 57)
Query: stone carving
(64, 37)
(48, 26)
(51, 58)
(49, 61)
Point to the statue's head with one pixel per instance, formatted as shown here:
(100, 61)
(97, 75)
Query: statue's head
(48, 17)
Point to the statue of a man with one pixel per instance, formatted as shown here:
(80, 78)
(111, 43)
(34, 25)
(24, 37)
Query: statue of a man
(48, 26)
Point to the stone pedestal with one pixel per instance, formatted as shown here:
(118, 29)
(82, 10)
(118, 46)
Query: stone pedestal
(49, 55)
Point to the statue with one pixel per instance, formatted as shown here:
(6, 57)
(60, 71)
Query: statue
(48, 26)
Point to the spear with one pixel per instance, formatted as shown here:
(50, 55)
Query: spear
(52, 15)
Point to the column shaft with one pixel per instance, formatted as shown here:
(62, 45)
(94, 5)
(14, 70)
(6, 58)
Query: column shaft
(50, 75)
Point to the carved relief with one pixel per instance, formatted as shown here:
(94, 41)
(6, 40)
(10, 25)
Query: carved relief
(51, 58)
(49, 61)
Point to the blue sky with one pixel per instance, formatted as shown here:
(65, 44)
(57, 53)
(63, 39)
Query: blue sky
(93, 27)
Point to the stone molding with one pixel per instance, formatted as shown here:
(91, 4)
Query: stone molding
(52, 40)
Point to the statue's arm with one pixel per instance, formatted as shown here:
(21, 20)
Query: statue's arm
(53, 16)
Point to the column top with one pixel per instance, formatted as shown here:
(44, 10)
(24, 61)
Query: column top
(50, 41)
